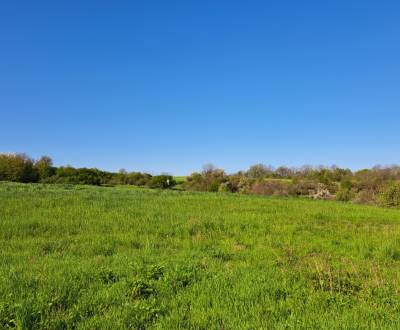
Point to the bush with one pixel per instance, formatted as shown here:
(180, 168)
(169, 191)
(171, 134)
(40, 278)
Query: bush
(390, 197)
(70, 175)
(161, 182)
(138, 179)
(238, 183)
(304, 188)
(367, 196)
(344, 195)
(195, 182)
(209, 180)
(225, 187)
(272, 187)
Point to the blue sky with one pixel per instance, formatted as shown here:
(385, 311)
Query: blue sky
(167, 86)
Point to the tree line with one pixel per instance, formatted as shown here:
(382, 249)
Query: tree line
(22, 168)
(377, 186)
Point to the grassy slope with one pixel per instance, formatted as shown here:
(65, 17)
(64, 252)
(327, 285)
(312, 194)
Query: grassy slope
(126, 258)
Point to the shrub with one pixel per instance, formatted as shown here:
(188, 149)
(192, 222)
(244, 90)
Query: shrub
(390, 196)
(195, 182)
(344, 195)
(272, 187)
(304, 188)
(161, 182)
(213, 186)
(209, 180)
(138, 179)
(70, 175)
(225, 187)
(367, 196)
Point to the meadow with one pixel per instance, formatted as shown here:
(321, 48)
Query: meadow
(86, 257)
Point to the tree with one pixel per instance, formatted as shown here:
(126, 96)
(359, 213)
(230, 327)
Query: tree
(44, 167)
(259, 171)
(17, 167)
(283, 172)
(208, 169)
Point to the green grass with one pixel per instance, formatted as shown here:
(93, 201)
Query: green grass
(115, 258)
(180, 179)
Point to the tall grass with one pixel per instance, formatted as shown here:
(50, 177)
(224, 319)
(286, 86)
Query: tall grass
(114, 258)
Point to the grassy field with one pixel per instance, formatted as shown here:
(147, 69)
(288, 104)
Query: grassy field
(180, 179)
(115, 258)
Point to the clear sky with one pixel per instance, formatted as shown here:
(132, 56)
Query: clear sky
(167, 86)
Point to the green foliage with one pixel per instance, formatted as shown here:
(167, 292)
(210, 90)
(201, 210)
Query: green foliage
(140, 288)
(390, 197)
(17, 168)
(225, 187)
(161, 182)
(85, 257)
(344, 194)
(70, 175)
(209, 180)
(362, 187)
(138, 179)
(132, 178)
(44, 168)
